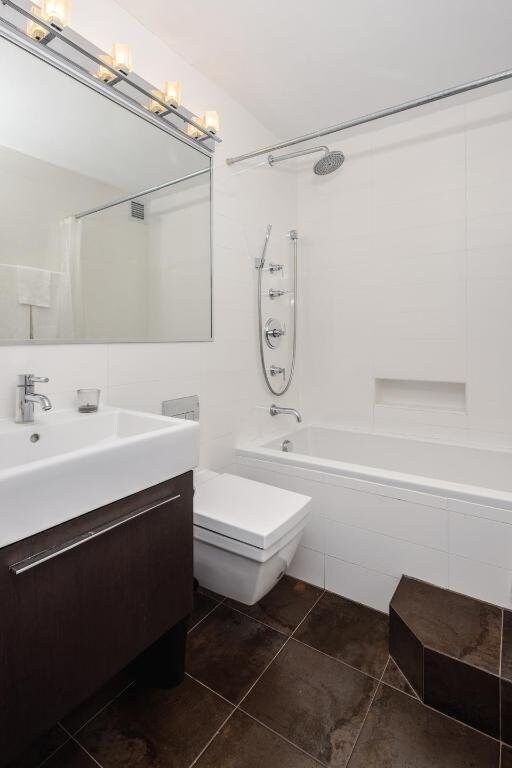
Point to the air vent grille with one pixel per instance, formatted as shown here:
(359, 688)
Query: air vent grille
(137, 210)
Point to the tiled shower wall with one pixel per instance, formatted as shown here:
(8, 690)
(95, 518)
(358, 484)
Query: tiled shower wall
(407, 266)
(224, 373)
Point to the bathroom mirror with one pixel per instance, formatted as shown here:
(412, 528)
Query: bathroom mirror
(76, 263)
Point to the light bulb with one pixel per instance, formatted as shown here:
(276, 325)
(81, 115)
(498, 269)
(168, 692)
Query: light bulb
(103, 73)
(122, 58)
(172, 91)
(192, 131)
(155, 106)
(211, 121)
(57, 13)
(35, 30)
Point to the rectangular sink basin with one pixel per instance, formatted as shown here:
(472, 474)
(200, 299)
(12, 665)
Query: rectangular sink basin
(67, 463)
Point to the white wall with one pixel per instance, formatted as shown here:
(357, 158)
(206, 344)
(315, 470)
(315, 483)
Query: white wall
(225, 373)
(407, 264)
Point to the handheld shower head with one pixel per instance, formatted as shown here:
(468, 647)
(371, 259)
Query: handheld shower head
(330, 161)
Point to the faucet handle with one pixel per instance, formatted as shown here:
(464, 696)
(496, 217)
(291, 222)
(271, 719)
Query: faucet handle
(37, 379)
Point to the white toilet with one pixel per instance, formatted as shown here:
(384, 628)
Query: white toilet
(245, 534)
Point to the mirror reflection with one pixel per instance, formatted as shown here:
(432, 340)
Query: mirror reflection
(104, 217)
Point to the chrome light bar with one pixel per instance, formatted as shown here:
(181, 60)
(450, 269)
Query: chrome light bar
(79, 45)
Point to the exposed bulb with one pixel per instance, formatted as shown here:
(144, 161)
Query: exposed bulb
(34, 30)
(122, 58)
(172, 91)
(57, 13)
(211, 121)
(155, 106)
(103, 73)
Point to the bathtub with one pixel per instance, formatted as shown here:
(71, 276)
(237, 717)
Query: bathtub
(384, 505)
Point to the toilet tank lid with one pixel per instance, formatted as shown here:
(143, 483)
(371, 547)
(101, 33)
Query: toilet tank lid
(246, 510)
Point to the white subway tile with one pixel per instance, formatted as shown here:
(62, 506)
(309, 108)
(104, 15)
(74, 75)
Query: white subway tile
(480, 580)
(359, 584)
(308, 565)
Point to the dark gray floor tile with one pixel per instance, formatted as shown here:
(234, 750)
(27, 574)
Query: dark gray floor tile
(285, 606)
(228, 651)
(506, 657)
(40, 749)
(506, 757)
(393, 676)
(243, 743)
(70, 756)
(152, 728)
(97, 701)
(313, 701)
(348, 631)
(453, 624)
(400, 732)
(203, 605)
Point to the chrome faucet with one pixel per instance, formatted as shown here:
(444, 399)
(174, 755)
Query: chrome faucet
(26, 397)
(275, 410)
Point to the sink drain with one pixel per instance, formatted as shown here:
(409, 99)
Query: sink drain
(35, 437)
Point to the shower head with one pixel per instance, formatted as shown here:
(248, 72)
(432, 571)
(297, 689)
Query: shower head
(330, 161)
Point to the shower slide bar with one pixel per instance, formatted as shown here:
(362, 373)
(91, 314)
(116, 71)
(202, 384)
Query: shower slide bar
(406, 105)
(149, 191)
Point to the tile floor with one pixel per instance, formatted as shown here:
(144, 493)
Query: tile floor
(301, 680)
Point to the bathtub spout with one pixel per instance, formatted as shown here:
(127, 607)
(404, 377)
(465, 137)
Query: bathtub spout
(275, 410)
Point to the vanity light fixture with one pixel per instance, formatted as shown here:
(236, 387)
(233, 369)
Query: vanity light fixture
(192, 131)
(211, 121)
(34, 30)
(104, 73)
(122, 58)
(172, 93)
(57, 13)
(154, 105)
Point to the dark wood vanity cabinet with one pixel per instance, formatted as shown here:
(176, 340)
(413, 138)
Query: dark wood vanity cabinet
(78, 602)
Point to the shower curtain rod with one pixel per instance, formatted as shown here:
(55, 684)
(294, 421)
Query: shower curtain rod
(406, 105)
(140, 194)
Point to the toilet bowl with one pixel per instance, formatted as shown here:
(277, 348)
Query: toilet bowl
(245, 534)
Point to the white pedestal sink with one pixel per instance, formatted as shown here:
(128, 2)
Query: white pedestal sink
(67, 463)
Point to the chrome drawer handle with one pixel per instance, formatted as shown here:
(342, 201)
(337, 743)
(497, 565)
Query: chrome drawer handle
(50, 554)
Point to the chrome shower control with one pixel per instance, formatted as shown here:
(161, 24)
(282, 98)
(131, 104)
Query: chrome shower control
(275, 268)
(274, 331)
(277, 370)
(275, 293)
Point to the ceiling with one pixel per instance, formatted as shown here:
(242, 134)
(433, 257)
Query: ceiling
(299, 65)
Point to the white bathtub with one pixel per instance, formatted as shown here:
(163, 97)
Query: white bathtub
(386, 505)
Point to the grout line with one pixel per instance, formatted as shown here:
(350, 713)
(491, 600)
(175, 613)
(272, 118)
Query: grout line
(237, 706)
(80, 746)
(377, 687)
(107, 704)
(200, 682)
(54, 752)
(221, 602)
(219, 729)
(283, 738)
(341, 661)
(248, 615)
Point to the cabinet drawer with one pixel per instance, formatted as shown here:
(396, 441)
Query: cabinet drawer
(79, 602)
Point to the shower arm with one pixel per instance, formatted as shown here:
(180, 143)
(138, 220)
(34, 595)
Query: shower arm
(272, 159)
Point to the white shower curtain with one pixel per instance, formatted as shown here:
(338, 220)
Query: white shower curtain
(71, 314)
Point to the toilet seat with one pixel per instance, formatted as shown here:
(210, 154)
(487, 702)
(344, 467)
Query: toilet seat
(243, 516)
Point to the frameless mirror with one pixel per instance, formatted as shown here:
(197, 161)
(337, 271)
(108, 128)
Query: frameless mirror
(104, 217)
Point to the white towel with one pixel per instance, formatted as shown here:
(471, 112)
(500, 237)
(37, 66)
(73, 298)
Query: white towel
(34, 286)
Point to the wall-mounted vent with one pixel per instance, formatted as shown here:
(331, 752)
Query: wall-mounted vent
(137, 210)
(436, 395)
